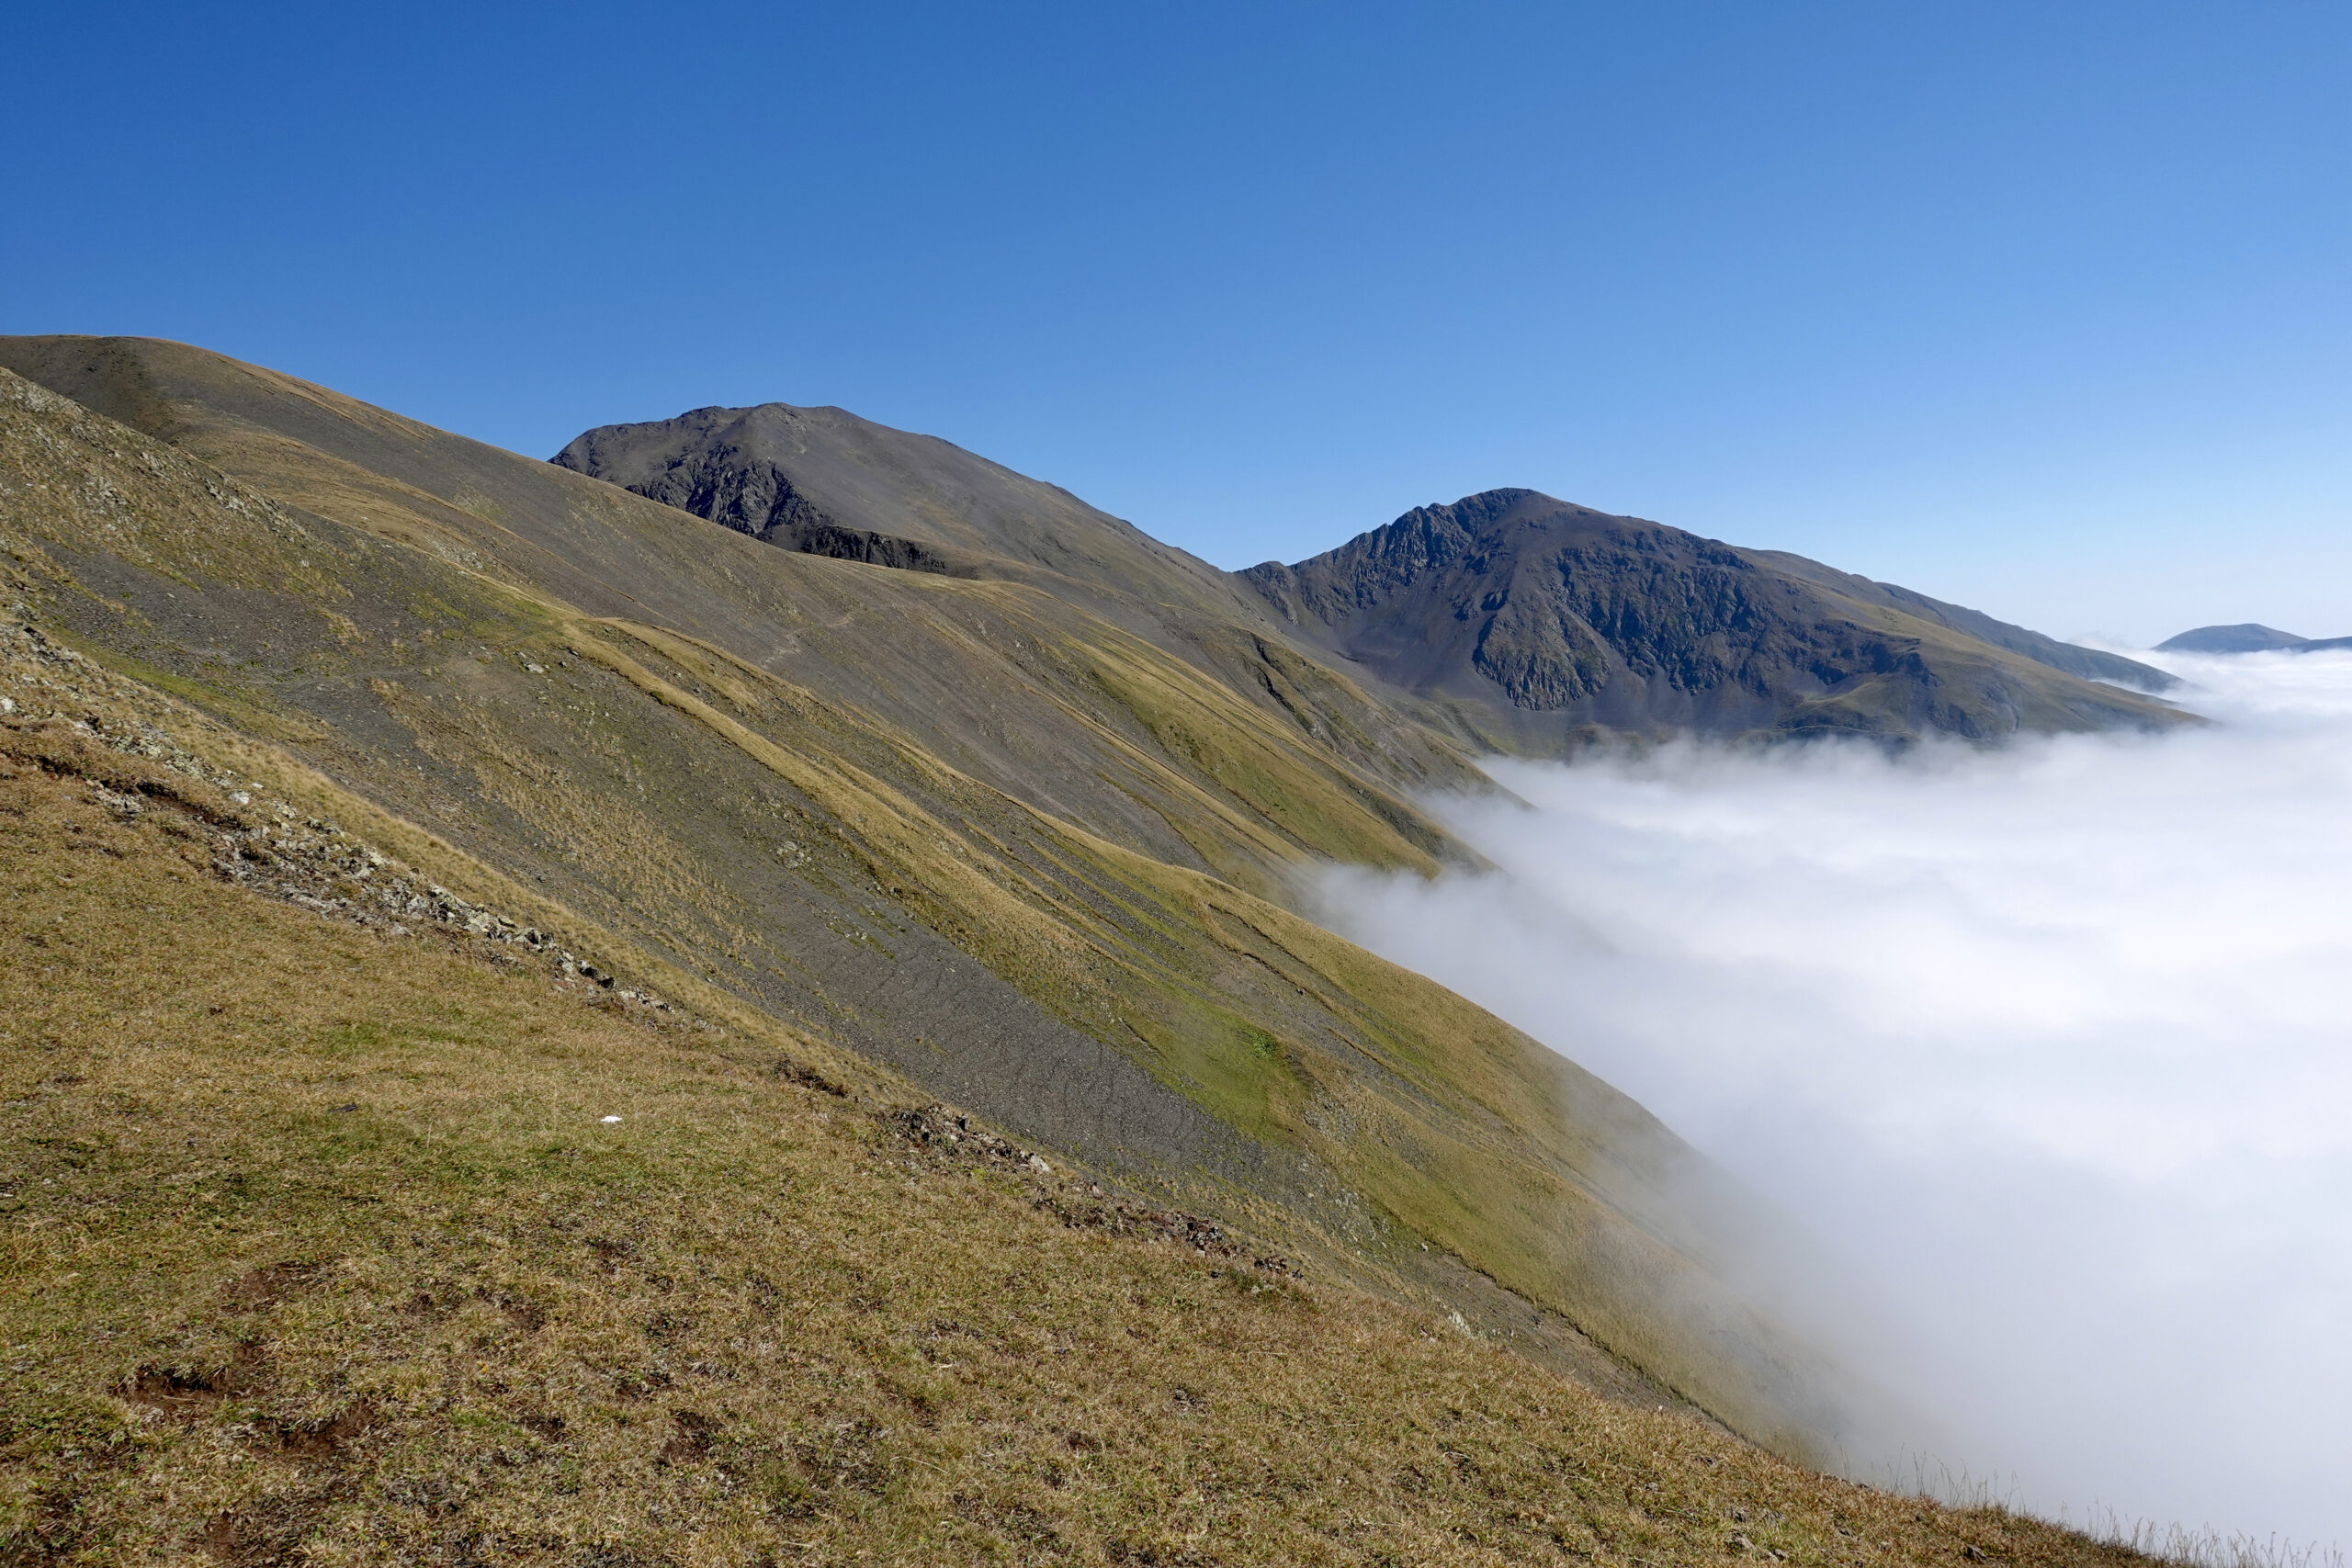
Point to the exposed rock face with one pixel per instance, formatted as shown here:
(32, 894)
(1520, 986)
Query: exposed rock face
(741, 490)
(1556, 617)
(823, 481)
(727, 486)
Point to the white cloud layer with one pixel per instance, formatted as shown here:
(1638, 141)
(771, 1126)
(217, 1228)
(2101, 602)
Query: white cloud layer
(2051, 1045)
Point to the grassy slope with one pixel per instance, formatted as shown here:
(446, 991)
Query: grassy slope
(1007, 682)
(723, 831)
(317, 1249)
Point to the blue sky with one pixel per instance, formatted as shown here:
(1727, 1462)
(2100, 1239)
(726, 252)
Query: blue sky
(2042, 307)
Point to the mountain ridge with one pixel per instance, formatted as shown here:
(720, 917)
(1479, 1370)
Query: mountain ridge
(1883, 661)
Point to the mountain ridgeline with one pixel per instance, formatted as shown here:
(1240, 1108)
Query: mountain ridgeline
(872, 754)
(1508, 621)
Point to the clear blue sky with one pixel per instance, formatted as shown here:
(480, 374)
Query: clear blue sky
(2042, 308)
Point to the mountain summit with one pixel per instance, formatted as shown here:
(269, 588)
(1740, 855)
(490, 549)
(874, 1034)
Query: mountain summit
(824, 481)
(1529, 622)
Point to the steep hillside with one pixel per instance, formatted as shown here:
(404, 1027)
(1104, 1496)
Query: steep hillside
(1528, 624)
(823, 481)
(1136, 735)
(341, 1224)
(955, 826)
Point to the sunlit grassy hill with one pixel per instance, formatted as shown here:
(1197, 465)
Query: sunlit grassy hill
(343, 1223)
(695, 791)
(1001, 1170)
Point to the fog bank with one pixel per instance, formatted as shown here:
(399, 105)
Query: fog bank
(2051, 1045)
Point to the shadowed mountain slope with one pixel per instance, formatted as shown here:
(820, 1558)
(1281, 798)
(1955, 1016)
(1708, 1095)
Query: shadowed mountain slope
(1528, 624)
(960, 826)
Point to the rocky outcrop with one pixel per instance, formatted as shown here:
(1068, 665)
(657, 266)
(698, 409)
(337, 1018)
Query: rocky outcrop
(66, 715)
(742, 492)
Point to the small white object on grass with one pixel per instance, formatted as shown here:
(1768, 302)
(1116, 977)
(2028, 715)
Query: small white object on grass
(610, 1120)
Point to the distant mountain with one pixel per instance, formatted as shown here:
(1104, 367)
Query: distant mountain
(1528, 623)
(2247, 637)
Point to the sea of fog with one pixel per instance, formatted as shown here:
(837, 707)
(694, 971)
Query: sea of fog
(2051, 1046)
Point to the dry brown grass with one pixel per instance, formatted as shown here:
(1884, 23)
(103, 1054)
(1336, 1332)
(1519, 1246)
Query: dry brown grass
(317, 1250)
